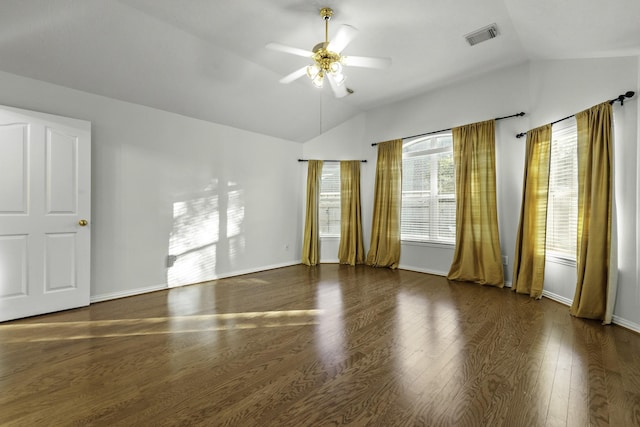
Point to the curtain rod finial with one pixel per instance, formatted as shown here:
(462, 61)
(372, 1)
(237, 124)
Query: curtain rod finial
(622, 97)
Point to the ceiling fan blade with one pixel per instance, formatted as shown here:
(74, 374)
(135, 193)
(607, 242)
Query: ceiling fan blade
(366, 61)
(294, 76)
(343, 37)
(338, 90)
(288, 49)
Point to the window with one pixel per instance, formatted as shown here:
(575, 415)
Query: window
(329, 206)
(428, 190)
(562, 208)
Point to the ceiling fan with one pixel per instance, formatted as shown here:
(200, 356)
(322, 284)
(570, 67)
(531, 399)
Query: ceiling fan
(327, 59)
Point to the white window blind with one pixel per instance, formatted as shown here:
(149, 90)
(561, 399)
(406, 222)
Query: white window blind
(562, 209)
(428, 190)
(329, 206)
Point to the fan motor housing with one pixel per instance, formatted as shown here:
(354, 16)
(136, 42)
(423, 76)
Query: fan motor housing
(323, 57)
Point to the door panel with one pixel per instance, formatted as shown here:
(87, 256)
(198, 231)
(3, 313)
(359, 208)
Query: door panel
(60, 256)
(13, 164)
(13, 266)
(62, 171)
(45, 188)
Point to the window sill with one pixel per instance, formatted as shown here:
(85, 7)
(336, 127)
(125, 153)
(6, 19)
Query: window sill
(559, 259)
(437, 245)
(330, 237)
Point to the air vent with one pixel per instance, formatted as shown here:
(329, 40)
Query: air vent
(483, 34)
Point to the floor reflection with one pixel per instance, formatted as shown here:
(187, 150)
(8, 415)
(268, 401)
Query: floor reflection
(424, 328)
(329, 334)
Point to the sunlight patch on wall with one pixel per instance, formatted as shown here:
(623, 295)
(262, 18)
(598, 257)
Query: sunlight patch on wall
(235, 213)
(207, 235)
(235, 221)
(193, 239)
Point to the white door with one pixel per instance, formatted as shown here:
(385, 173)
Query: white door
(45, 183)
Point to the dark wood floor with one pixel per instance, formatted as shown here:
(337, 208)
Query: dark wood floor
(332, 345)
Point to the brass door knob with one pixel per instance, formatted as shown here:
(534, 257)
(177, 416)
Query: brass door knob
(83, 222)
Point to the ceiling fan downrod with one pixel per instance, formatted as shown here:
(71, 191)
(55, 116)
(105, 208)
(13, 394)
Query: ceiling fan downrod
(326, 13)
(325, 61)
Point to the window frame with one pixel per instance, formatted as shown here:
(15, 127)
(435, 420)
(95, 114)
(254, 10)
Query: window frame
(416, 238)
(332, 168)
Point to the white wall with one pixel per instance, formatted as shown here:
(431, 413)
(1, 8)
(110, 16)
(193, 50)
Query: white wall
(546, 91)
(237, 191)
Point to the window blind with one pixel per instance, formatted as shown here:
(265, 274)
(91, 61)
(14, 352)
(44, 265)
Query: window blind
(428, 190)
(329, 205)
(562, 208)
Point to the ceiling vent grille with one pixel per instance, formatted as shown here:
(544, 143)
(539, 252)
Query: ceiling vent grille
(483, 34)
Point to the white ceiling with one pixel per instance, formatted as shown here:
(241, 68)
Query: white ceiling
(206, 59)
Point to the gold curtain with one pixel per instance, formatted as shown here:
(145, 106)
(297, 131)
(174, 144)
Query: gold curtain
(477, 256)
(311, 242)
(528, 265)
(351, 250)
(595, 163)
(384, 250)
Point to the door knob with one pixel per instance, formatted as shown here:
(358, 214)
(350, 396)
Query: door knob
(83, 222)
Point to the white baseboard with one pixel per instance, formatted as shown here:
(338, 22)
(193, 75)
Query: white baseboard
(615, 319)
(557, 298)
(330, 261)
(255, 270)
(423, 270)
(127, 293)
(435, 272)
(140, 291)
(626, 324)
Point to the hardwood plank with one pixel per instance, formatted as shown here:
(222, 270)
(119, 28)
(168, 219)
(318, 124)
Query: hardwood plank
(578, 409)
(332, 345)
(559, 397)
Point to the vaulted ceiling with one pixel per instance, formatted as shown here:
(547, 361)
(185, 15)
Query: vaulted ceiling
(207, 59)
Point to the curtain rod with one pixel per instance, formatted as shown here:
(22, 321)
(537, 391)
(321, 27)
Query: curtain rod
(444, 130)
(333, 161)
(621, 98)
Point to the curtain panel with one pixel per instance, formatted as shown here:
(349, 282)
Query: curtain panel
(477, 255)
(351, 249)
(311, 236)
(595, 287)
(384, 250)
(528, 265)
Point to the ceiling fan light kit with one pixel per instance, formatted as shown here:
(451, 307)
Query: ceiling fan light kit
(328, 63)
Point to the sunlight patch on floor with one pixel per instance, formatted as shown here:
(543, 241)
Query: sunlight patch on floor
(58, 331)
